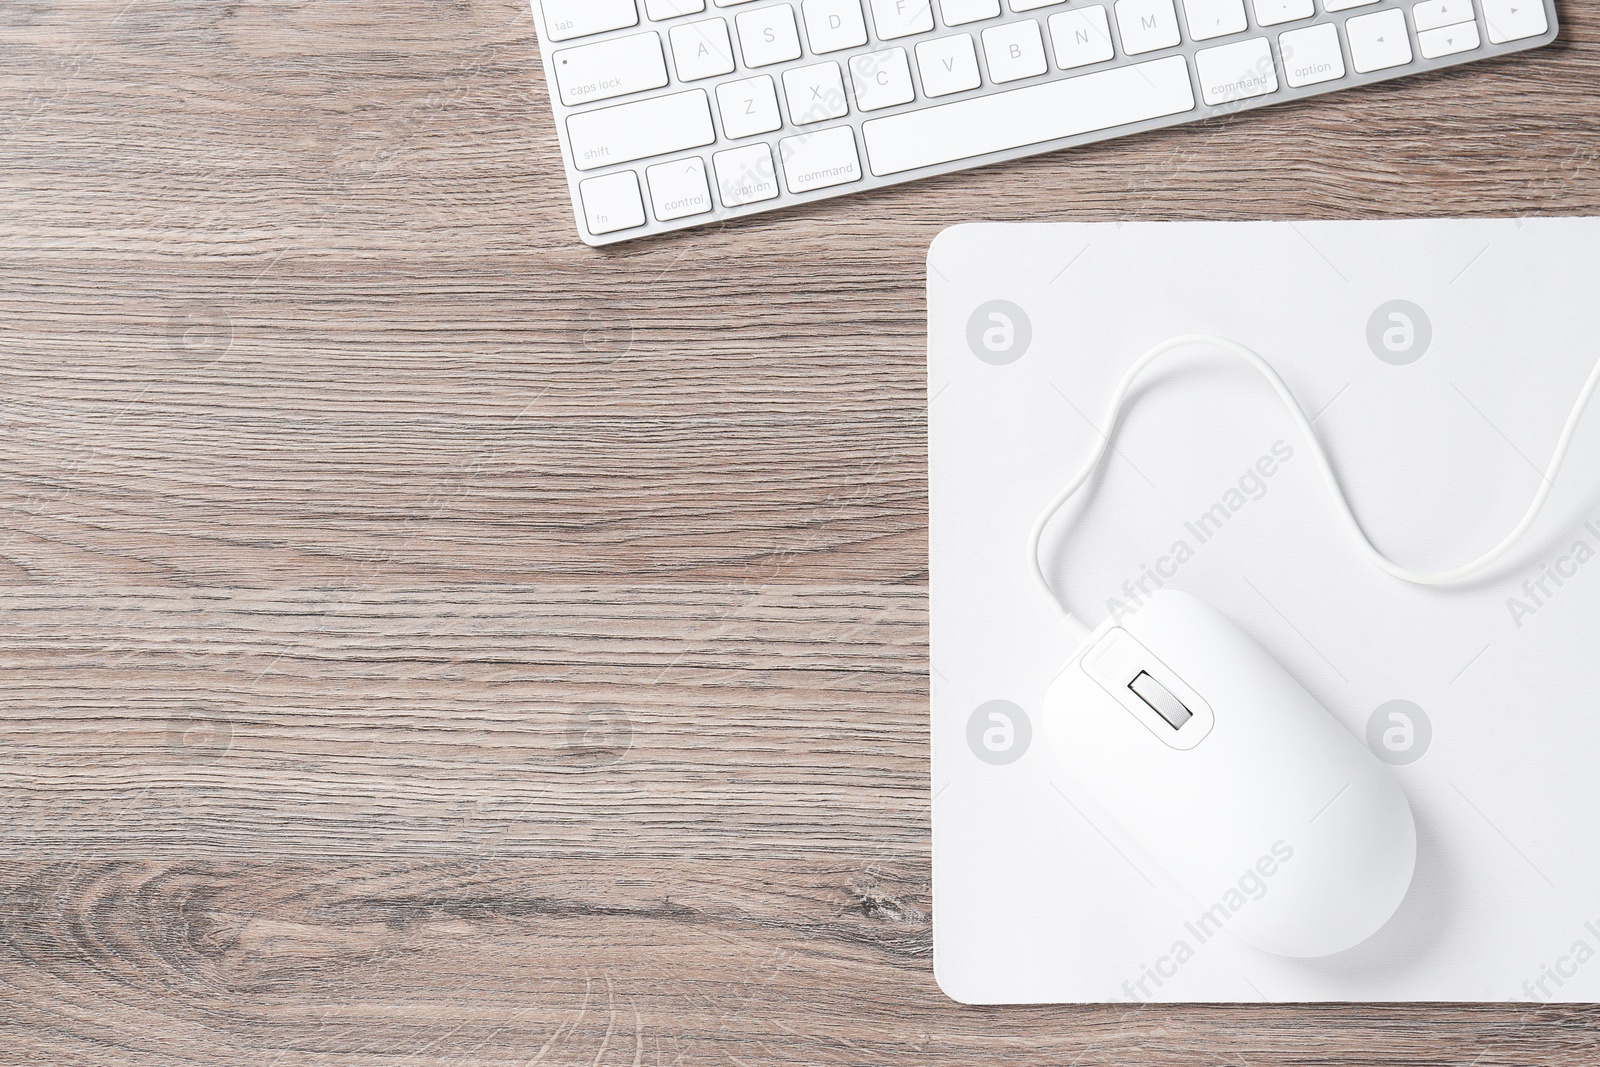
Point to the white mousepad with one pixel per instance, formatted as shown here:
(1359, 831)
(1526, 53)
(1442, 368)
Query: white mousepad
(1439, 359)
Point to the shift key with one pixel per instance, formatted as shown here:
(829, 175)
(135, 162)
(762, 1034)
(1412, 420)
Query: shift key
(627, 132)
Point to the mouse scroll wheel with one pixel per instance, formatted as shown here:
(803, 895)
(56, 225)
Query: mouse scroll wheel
(1161, 700)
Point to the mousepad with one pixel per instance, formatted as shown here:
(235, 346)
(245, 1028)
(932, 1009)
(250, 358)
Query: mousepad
(1438, 360)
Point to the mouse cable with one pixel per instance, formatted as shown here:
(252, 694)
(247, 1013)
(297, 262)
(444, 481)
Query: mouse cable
(1377, 558)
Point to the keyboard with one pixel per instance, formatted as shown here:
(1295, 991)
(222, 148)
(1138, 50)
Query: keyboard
(677, 113)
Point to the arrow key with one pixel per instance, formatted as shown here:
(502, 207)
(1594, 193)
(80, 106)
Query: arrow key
(1378, 41)
(1513, 20)
(1448, 41)
(1432, 14)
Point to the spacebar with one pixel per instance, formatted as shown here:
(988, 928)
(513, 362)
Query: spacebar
(1022, 117)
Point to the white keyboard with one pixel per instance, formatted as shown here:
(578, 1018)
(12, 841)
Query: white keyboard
(675, 113)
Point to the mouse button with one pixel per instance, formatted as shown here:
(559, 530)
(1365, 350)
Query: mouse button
(1149, 690)
(1116, 661)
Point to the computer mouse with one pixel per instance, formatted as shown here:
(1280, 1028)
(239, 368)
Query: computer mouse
(1281, 827)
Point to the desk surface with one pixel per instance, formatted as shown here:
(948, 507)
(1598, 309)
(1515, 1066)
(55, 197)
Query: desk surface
(431, 641)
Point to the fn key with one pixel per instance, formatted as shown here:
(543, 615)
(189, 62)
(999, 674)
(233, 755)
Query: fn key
(612, 203)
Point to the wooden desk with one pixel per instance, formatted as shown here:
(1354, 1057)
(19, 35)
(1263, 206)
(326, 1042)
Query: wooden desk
(427, 640)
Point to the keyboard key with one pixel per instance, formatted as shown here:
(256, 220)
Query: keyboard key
(612, 203)
(961, 12)
(768, 36)
(1033, 5)
(1514, 20)
(567, 19)
(815, 93)
(1146, 25)
(1378, 41)
(626, 132)
(948, 65)
(1448, 40)
(1311, 55)
(832, 25)
(679, 189)
(1277, 12)
(1345, 5)
(1014, 51)
(745, 175)
(671, 9)
(1432, 14)
(748, 107)
(1081, 37)
(978, 126)
(702, 49)
(901, 18)
(611, 68)
(882, 79)
(820, 160)
(1237, 71)
(1215, 18)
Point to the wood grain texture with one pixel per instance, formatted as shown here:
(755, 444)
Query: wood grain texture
(429, 641)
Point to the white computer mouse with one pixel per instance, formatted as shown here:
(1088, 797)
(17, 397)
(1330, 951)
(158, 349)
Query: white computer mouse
(1283, 829)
